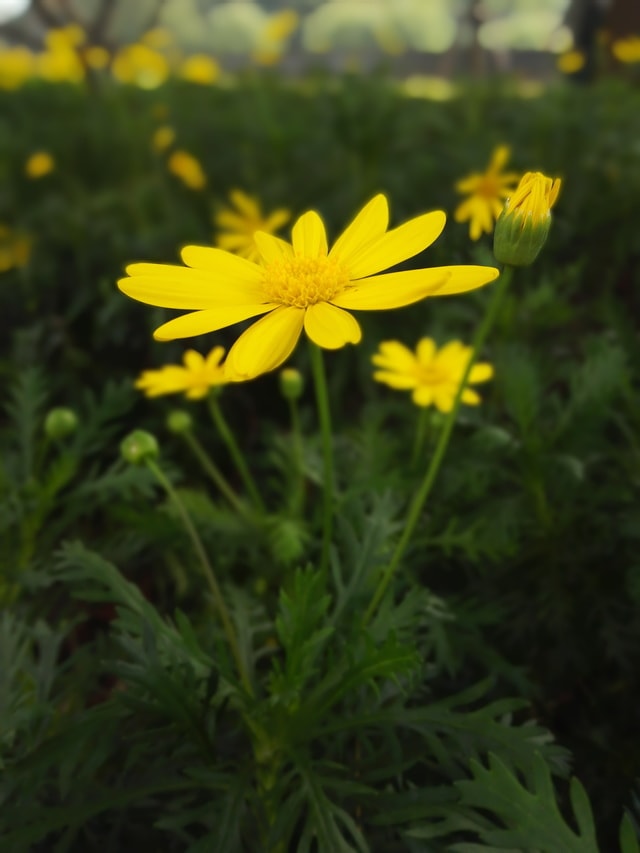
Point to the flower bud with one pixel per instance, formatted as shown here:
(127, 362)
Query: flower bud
(60, 422)
(523, 226)
(139, 446)
(179, 421)
(291, 383)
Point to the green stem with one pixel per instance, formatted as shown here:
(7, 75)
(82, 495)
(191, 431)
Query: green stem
(324, 414)
(234, 450)
(421, 431)
(212, 470)
(208, 572)
(297, 499)
(420, 497)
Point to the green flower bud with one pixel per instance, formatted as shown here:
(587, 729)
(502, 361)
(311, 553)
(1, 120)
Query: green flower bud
(179, 421)
(523, 226)
(138, 446)
(291, 383)
(60, 422)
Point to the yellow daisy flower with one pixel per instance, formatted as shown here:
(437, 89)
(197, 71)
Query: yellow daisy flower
(571, 61)
(39, 164)
(15, 249)
(432, 375)
(200, 68)
(163, 138)
(194, 378)
(486, 191)
(185, 166)
(240, 224)
(299, 285)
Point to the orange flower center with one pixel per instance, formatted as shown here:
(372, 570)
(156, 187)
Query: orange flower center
(301, 282)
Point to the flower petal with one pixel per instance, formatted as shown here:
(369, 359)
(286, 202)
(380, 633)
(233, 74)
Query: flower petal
(425, 351)
(190, 292)
(309, 237)
(369, 225)
(481, 372)
(330, 327)
(202, 322)
(272, 248)
(397, 245)
(246, 204)
(214, 358)
(193, 360)
(392, 290)
(401, 381)
(499, 157)
(393, 355)
(423, 396)
(470, 397)
(275, 220)
(222, 264)
(460, 279)
(266, 344)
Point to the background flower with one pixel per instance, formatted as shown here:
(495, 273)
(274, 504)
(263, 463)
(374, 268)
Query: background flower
(241, 221)
(185, 167)
(39, 164)
(432, 375)
(487, 192)
(195, 377)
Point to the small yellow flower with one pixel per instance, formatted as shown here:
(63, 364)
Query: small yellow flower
(200, 68)
(571, 61)
(486, 191)
(627, 49)
(299, 285)
(61, 38)
(280, 26)
(523, 226)
(195, 377)
(15, 249)
(60, 65)
(185, 166)
(163, 138)
(241, 221)
(17, 65)
(140, 65)
(39, 164)
(432, 375)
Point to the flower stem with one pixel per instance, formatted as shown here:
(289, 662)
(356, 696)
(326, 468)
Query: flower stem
(420, 497)
(208, 572)
(324, 414)
(213, 471)
(422, 429)
(236, 454)
(297, 499)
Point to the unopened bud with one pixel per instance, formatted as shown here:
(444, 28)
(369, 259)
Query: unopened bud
(179, 421)
(291, 383)
(139, 446)
(523, 226)
(60, 422)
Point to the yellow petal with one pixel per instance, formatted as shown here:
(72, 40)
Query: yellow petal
(231, 221)
(400, 381)
(276, 220)
(398, 244)
(481, 372)
(146, 270)
(470, 397)
(233, 242)
(246, 204)
(193, 360)
(469, 184)
(393, 355)
(392, 290)
(221, 264)
(330, 327)
(202, 322)
(369, 225)
(309, 237)
(271, 248)
(215, 357)
(499, 157)
(464, 210)
(266, 344)
(444, 400)
(423, 396)
(190, 292)
(460, 279)
(425, 351)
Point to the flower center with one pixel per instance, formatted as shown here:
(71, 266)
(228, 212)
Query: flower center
(304, 281)
(431, 375)
(489, 187)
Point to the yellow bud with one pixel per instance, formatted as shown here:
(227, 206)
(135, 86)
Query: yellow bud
(523, 226)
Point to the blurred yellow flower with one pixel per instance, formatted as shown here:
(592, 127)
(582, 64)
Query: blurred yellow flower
(96, 57)
(17, 65)
(280, 26)
(486, 191)
(200, 68)
(195, 377)
(571, 61)
(140, 65)
(627, 49)
(185, 166)
(39, 164)
(299, 285)
(432, 375)
(62, 38)
(157, 38)
(241, 221)
(60, 65)
(15, 249)
(163, 138)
